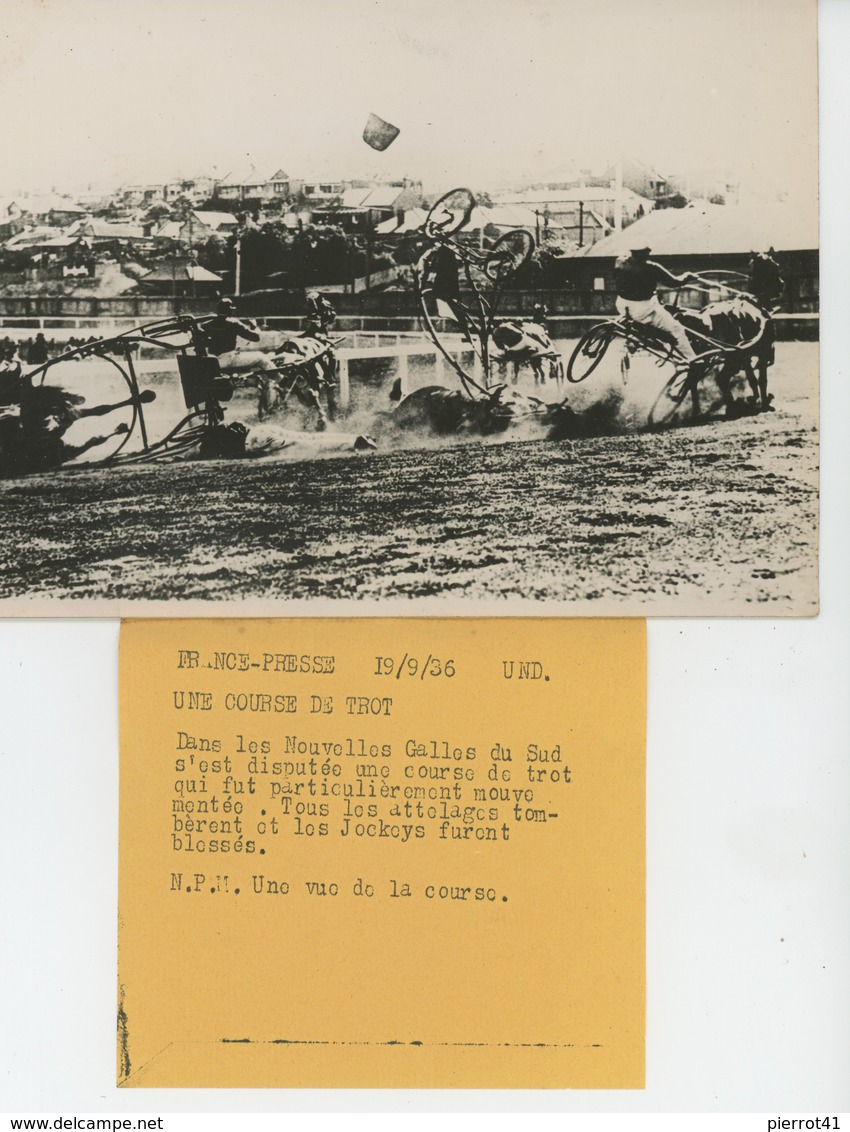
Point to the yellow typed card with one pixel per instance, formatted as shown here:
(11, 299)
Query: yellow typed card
(382, 853)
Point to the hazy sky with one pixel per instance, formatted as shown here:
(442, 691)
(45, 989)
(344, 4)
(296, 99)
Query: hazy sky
(143, 90)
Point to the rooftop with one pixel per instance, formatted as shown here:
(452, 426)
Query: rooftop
(706, 229)
(585, 193)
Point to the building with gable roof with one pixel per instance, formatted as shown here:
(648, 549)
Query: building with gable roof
(704, 237)
(251, 184)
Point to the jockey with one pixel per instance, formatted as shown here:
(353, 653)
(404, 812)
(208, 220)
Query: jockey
(221, 337)
(635, 277)
(320, 315)
(540, 315)
(223, 332)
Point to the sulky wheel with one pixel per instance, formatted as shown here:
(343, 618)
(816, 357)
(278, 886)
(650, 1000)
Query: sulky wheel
(449, 214)
(589, 352)
(678, 399)
(509, 253)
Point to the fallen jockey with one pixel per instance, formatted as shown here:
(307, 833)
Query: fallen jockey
(237, 441)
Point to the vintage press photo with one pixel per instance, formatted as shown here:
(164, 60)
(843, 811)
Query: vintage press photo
(480, 307)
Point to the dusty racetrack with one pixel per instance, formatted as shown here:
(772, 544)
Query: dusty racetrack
(712, 518)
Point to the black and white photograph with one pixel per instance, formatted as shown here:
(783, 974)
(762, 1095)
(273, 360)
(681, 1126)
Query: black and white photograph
(358, 307)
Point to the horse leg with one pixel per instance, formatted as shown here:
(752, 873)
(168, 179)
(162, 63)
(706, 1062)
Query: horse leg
(332, 405)
(766, 398)
(265, 396)
(724, 384)
(696, 407)
(755, 386)
(102, 410)
(312, 385)
(70, 452)
(330, 373)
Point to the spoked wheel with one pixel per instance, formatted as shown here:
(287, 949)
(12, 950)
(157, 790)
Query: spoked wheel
(589, 352)
(693, 393)
(510, 253)
(709, 387)
(449, 214)
(97, 430)
(668, 405)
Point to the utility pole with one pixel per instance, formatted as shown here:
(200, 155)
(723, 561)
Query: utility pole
(618, 195)
(237, 288)
(191, 255)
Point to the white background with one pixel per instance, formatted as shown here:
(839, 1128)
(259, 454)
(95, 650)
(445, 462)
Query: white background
(748, 847)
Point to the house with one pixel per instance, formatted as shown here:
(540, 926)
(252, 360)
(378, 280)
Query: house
(216, 223)
(55, 210)
(10, 219)
(324, 192)
(98, 234)
(98, 230)
(172, 191)
(282, 185)
(360, 209)
(643, 179)
(38, 238)
(587, 212)
(196, 189)
(180, 276)
(250, 184)
(197, 227)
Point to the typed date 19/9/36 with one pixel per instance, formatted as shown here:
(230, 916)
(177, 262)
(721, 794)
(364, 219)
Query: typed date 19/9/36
(412, 666)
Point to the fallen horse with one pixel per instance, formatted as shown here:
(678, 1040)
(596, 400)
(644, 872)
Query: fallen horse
(37, 410)
(437, 411)
(32, 433)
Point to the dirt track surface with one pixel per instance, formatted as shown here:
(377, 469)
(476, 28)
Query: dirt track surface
(714, 518)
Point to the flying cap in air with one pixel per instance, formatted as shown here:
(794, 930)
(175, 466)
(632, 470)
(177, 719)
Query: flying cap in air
(379, 134)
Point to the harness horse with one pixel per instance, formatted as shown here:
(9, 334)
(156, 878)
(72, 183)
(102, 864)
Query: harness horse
(304, 371)
(731, 337)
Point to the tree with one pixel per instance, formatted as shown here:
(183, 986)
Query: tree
(298, 202)
(675, 200)
(157, 212)
(214, 254)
